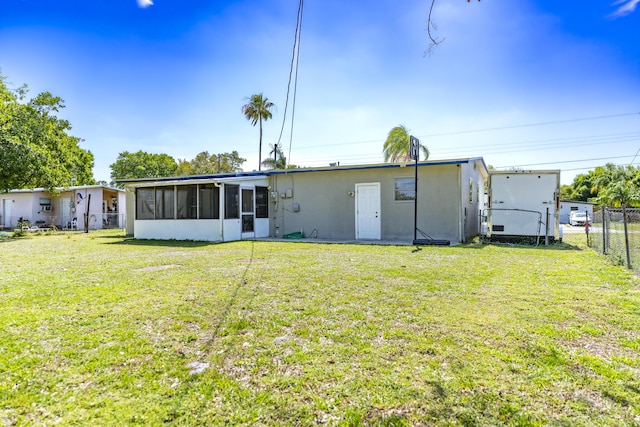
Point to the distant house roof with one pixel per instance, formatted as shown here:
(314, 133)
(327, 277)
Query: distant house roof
(576, 202)
(270, 172)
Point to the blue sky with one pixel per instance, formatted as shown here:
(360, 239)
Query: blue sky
(535, 84)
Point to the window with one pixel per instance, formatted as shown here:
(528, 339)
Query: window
(262, 202)
(187, 202)
(145, 203)
(164, 202)
(470, 190)
(404, 189)
(231, 202)
(209, 202)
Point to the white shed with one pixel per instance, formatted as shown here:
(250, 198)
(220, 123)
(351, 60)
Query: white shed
(566, 206)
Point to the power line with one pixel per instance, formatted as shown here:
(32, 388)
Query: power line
(565, 161)
(294, 66)
(492, 129)
(531, 124)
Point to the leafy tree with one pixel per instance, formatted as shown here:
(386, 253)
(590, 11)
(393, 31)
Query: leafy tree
(35, 147)
(582, 189)
(205, 163)
(256, 110)
(396, 147)
(619, 186)
(142, 165)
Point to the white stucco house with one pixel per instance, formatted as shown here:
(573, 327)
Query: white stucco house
(368, 202)
(104, 207)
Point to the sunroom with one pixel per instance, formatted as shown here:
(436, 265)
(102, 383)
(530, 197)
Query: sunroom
(208, 209)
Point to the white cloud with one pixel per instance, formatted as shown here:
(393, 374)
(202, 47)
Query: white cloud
(144, 3)
(628, 6)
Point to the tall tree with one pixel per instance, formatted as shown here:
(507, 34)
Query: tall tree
(142, 165)
(256, 110)
(205, 163)
(35, 147)
(618, 185)
(396, 147)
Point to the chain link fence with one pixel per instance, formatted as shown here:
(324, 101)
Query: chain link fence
(518, 226)
(618, 239)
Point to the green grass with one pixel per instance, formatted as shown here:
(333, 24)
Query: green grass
(97, 329)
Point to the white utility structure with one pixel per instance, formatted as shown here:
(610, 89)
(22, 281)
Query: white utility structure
(524, 203)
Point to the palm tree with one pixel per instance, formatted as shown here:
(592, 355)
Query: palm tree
(271, 163)
(396, 147)
(257, 109)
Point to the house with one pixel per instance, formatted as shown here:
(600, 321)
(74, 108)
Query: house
(369, 202)
(567, 206)
(104, 205)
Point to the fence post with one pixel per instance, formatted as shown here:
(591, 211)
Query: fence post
(586, 227)
(604, 231)
(626, 234)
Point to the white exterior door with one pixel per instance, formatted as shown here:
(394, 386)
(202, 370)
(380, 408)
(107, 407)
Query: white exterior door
(66, 213)
(6, 213)
(368, 211)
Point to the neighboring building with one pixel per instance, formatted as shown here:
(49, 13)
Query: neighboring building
(372, 202)
(566, 206)
(66, 210)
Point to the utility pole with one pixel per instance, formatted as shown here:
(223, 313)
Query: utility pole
(275, 156)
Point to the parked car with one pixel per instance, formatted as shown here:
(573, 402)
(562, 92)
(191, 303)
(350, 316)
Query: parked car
(578, 218)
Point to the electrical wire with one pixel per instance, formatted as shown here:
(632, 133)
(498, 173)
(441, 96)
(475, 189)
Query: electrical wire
(294, 66)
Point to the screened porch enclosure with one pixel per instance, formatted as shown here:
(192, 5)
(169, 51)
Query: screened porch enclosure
(211, 211)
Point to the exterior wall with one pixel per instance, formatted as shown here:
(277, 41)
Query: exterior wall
(327, 206)
(472, 198)
(64, 207)
(21, 207)
(130, 195)
(566, 206)
(188, 229)
(122, 210)
(78, 207)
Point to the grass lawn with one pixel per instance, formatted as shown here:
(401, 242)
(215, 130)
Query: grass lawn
(98, 329)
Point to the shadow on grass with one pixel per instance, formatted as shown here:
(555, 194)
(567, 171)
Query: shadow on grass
(130, 241)
(563, 246)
